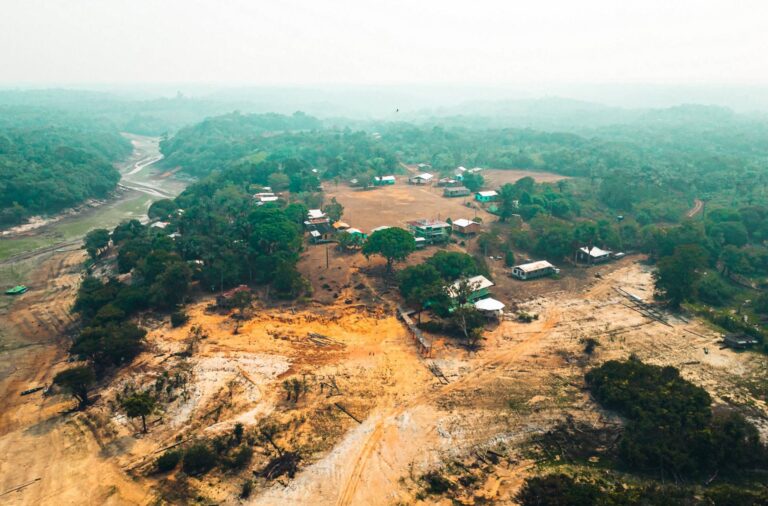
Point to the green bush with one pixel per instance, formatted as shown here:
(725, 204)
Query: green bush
(670, 429)
(241, 458)
(168, 461)
(557, 490)
(179, 318)
(198, 459)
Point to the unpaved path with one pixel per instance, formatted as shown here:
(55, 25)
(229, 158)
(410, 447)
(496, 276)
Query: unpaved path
(698, 205)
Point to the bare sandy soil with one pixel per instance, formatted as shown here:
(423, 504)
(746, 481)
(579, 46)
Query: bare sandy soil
(525, 378)
(499, 177)
(395, 205)
(372, 418)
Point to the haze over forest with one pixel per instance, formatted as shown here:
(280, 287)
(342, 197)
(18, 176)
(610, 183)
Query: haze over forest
(384, 252)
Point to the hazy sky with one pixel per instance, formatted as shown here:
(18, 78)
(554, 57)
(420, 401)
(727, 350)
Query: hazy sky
(393, 41)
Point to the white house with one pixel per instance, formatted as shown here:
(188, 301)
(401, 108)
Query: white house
(423, 178)
(593, 255)
(534, 270)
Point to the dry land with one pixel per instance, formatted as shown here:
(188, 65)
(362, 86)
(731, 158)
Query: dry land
(372, 417)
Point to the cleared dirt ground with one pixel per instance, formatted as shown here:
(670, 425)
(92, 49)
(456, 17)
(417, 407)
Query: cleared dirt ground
(395, 205)
(398, 419)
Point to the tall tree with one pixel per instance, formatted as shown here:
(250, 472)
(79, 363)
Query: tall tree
(139, 404)
(77, 381)
(394, 244)
(676, 275)
(96, 241)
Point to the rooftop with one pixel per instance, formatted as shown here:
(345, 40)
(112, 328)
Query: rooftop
(489, 304)
(535, 266)
(595, 251)
(428, 223)
(462, 222)
(316, 213)
(424, 175)
(488, 193)
(475, 283)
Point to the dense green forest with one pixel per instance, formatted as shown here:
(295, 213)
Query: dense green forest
(51, 161)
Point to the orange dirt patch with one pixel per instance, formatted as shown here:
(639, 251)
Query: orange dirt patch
(395, 205)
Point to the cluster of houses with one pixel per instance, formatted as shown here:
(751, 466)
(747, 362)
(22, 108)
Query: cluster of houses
(591, 255)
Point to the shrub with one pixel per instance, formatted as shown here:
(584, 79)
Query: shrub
(245, 492)
(509, 259)
(168, 461)
(557, 490)
(179, 318)
(241, 457)
(198, 459)
(437, 483)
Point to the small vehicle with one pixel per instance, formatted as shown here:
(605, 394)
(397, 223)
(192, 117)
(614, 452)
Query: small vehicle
(16, 290)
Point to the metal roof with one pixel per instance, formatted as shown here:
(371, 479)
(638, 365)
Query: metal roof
(489, 304)
(535, 266)
(462, 222)
(475, 283)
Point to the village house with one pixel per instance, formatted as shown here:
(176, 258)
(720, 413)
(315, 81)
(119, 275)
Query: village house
(486, 196)
(465, 227)
(431, 231)
(383, 227)
(340, 225)
(383, 180)
(534, 270)
(478, 285)
(358, 234)
(319, 226)
(455, 191)
(423, 178)
(447, 181)
(490, 307)
(739, 341)
(459, 173)
(593, 255)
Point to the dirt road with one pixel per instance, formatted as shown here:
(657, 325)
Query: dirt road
(698, 205)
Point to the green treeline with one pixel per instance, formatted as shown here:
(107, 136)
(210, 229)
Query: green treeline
(680, 450)
(49, 163)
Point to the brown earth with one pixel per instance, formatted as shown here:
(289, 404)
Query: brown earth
(51, 454)
(523, 380)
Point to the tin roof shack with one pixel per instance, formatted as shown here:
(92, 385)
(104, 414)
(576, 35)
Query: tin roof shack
(593, 255)
(432, 231)
(478, 285)
(534, 270)
(383, 180)
(447, 181)
(456, 191)
(486, 196)
(739, 341)
(466, 227)
(423, 178)
(490, 307)
(228, 299)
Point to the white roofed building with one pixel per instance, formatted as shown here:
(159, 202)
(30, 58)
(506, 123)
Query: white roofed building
(534, 270)
(593, 255)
